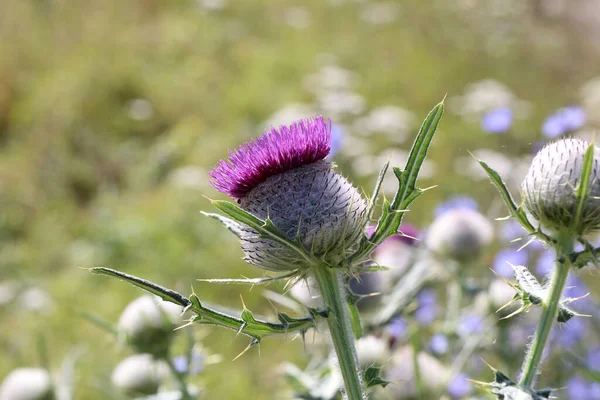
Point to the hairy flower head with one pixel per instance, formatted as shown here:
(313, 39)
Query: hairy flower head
(139, 374)
(549, 190)
(283, 176)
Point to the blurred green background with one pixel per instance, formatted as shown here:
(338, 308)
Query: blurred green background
(111, 114)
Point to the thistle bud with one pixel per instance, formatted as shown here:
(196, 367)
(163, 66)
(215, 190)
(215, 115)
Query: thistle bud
(147, 324)
(460, 234)
(549, 190)
(372, 350)
(139, 374)
(27, 384)
(283, 176)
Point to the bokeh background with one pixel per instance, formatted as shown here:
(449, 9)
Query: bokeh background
(112, 113)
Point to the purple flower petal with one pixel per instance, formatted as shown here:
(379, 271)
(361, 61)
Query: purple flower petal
(439, 343)
(276, 151)
(497, 121)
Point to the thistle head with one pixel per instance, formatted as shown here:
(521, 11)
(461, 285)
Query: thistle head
(550, 187)
(139, 374)
(148, 323)
(27, 384)
(460, 234)
(283, 176)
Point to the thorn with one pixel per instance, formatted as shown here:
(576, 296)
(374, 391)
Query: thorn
(243, 304)
(444, 99)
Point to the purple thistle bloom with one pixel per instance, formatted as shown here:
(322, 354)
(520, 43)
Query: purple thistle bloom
(427, 311)
(471, 324)
(497, 121)
(276, 151)
(504, 258)
(459, 386)
(593, 359)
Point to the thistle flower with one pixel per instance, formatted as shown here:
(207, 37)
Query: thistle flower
(147, 324)
(139, 374)
(27, 384)
(549, 190)
(283, 176)
(460, 234)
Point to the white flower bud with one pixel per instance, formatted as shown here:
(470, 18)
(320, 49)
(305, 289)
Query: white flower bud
(27, 384)
(460, 234)
(139, 374)
(549, 190)
(372, 350)
(147, 323)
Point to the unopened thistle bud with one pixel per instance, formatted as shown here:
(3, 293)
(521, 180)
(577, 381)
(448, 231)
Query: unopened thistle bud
(283, 176)
(27, 384)
(460, 234)
(139, 374)
(549, 190)
(148, 324)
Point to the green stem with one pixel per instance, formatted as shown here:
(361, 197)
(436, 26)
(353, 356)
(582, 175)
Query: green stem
(333, 295)
(533, 358)
(416, 348)
(185, 394)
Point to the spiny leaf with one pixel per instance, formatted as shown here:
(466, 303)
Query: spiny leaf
(373, 377)
(377, 189)
(251, 281)
(266, 229)
(162, 292)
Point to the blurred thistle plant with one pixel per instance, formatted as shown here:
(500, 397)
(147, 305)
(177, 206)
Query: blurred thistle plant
(139, 374)
(27, 384)
(561, 196)
(297, 216)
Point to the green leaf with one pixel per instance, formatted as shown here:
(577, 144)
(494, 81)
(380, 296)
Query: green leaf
(266, 229)
(230, 224)
(373, 377)
(516, 212)
(376, 190)
(163, 293)
(392, 214)
(355, 322)
(584, 184)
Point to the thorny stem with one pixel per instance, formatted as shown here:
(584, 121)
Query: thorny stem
(333, 295)
(533, 358)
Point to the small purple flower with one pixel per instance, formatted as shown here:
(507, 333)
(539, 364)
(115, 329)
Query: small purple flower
(497, 121)
(427, 311)
(439, 343)
(563, 121)
(397, 328)
(459, 386)
(337, 140)
(504, 259)
(195, 366)
(471, 324)
(276, 151)
(454, 203)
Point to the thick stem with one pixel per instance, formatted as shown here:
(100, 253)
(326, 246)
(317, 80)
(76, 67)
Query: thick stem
(333, 295)
(533, 358)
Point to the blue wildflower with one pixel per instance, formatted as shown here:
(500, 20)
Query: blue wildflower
(427, 311)
(439, 343)
(471, 324)
(563, 121)
(504, 258)
(497, 121)
(337, 140)
(454, 203)
(397, 328)
(459, 386)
